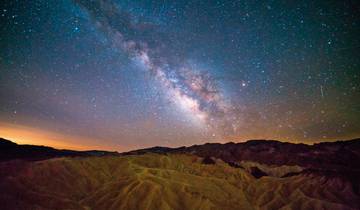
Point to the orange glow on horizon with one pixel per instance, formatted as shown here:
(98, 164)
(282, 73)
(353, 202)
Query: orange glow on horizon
(28, 135)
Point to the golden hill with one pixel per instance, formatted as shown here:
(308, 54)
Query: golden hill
(159, 182)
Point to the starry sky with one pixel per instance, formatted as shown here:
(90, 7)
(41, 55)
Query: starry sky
(124, 74)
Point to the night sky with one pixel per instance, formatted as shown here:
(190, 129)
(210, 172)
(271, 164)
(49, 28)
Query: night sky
(120, 75)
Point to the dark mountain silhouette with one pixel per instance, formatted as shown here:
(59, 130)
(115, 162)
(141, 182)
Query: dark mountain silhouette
(11, 151)
(339, 154)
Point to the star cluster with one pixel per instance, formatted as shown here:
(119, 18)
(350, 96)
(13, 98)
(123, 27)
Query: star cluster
(127, 74)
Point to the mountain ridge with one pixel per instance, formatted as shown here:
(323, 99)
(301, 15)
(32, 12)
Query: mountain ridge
(343, 153)
(10, 150)
(274, 152)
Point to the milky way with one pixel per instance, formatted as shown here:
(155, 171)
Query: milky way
(120, 75)
(196, 92)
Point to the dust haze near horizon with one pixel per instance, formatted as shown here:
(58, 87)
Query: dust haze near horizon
(121, 75)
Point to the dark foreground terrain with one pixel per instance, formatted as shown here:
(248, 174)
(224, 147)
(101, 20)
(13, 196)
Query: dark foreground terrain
(250, 175)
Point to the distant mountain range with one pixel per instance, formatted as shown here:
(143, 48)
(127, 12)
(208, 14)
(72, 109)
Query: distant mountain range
(325, 155)
(339, 154)
(11, 151)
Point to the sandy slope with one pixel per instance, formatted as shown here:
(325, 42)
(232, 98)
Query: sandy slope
(153, 181)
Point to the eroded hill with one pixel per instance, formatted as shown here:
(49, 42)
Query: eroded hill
(160, 181)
